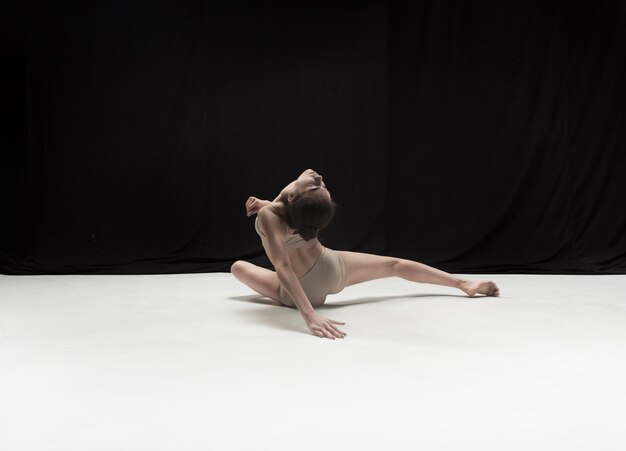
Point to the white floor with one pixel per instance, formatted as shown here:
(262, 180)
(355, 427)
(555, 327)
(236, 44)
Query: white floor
(197, 362)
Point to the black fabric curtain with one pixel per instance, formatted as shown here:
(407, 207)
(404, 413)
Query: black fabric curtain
(475, 136)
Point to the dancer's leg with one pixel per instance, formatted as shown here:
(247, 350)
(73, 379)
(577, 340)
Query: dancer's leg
(363, 267)
(261, 280)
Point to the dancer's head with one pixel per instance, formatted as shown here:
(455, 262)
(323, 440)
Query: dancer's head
(310, 207)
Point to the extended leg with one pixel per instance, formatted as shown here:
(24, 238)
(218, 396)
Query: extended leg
(261, 280)
(363, 267)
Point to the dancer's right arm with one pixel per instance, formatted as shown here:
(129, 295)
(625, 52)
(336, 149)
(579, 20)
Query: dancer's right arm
(272, 227)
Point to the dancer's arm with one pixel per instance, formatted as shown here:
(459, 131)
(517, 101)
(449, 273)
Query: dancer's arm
(254, 205)
(270, 224)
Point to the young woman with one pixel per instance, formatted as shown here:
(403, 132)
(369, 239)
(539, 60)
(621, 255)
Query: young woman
(306, 271)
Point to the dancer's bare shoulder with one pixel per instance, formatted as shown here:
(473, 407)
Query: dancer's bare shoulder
(270, 219)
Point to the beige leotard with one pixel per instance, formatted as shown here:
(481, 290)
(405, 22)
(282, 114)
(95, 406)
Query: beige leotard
(327, 276)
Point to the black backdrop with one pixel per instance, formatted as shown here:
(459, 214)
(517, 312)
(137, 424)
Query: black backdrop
(475, 136)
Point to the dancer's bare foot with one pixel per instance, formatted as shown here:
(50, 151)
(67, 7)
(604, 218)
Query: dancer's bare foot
(487, 288)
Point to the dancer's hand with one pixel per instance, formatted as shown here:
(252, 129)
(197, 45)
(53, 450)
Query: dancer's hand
(253, 205)
(324, 327)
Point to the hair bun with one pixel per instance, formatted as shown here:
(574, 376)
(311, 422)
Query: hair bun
(309, 214)
(308, 232)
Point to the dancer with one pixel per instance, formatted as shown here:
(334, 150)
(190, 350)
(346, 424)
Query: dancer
(306, 271)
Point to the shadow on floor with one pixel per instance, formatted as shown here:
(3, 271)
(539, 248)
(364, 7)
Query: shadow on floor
(369, 300)
(283, 319)
(255, 299)
(258, 299)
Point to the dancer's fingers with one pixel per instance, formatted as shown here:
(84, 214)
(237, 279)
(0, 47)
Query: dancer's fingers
(337, 332)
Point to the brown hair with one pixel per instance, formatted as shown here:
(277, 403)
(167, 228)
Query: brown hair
(309, 213)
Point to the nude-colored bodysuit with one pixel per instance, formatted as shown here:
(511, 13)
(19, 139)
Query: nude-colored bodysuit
(327, 276)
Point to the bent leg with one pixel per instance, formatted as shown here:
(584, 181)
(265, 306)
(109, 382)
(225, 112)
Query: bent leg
(364, 267)
(261, 280)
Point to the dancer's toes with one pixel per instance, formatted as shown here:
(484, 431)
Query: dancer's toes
(487, 288)
(493, 290)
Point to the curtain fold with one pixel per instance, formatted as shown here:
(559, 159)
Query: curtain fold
(472, 136)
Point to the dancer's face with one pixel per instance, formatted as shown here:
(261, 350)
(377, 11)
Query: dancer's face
(310, 180)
